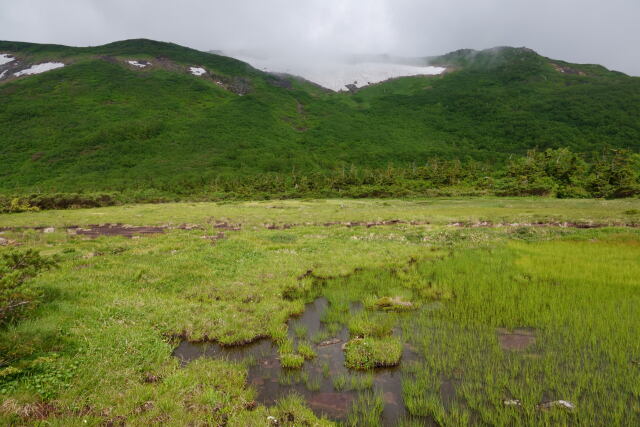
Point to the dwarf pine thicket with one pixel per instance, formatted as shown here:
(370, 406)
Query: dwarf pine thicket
(553, 173)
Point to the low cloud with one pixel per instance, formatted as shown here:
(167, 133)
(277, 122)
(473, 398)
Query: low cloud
(306, 31)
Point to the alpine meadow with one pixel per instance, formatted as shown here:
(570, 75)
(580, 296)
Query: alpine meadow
(187, 239)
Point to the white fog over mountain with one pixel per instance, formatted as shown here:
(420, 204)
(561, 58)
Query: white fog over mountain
(301, 33)
(336, 73)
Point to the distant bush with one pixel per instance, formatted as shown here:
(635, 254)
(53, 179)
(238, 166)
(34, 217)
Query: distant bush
(615, 174)
(564, 174)
(35, 202)
(551, 173)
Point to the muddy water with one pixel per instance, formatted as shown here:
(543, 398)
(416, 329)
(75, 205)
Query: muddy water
(315, 381)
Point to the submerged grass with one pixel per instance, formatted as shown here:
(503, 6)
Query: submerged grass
(366, 410)
(99, 345)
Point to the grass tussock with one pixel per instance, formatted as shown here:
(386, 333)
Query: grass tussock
(369, 353)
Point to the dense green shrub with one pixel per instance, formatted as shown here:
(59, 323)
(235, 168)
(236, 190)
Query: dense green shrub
(551, 173)
(562, 173)
(36, 202)
(615, 174)
(16, 296)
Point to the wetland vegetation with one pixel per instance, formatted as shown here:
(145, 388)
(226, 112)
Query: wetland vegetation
(489, 311)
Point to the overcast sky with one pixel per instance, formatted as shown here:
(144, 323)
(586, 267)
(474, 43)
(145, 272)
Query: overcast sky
(591, 31)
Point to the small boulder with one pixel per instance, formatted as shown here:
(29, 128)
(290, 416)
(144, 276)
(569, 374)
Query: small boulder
(272, 420)
(563, 404)
(512, 402)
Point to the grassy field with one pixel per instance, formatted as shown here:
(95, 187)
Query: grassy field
(508, 306)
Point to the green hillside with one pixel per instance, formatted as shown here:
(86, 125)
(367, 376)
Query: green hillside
(100, 124)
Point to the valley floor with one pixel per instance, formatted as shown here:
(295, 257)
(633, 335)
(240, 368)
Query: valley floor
(493, 311)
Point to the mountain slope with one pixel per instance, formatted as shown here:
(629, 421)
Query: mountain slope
(103, 123)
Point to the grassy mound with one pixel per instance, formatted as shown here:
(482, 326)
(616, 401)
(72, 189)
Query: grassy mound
(369, 353)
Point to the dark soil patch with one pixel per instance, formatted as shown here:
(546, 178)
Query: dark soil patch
(110, 59)
(224, 225)
(279, 226)
(189, 227)
(370, 224)
(560, 224)
(115, 230)
(348, 224)
(214, 237)
(516, 340)
(335, 403)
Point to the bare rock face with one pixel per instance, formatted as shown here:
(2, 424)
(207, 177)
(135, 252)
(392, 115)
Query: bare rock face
(239, 85)
(352, 88)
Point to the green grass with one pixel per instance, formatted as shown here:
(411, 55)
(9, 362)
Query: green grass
(306, 351)
(366, 410)
(106, 323)
(578, 295)
(291, 361)
(357, 381)
(371, 325)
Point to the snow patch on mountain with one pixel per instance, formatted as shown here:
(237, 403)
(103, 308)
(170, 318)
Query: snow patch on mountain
(336, 75)
(197, 71)
(39, 68)
(139, 64)
(2, 74)
(5, 58)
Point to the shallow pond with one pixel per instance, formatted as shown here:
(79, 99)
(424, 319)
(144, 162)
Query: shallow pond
(326, 384)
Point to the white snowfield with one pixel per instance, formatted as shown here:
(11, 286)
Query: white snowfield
(39, 68)
(5, 58)
(138, 64)
(336, 76)
(197, 71)
(2, 74)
